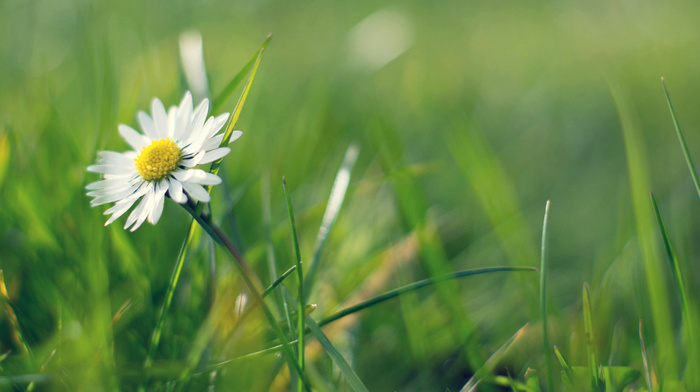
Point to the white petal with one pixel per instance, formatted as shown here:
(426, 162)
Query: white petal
(204, 178)
(115, 158)
(184, 116)
(104, 184)
(196, 191)
(119, 209)
(194, 161)
(183, 175)
(148, 126)
(175, 191)
(235, 135)
(213, 143)
(200, 115)
(160, 118)
(213, 155)
(136, 140)
(217, 123)
(111, 169)
(172, 118)
(154, 215)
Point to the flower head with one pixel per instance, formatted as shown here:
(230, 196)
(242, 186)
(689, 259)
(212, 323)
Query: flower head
(162, 162)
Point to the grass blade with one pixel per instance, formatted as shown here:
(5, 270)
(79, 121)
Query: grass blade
(491, 362)
(231, 86)
(567, 374)
(681, 140)
(549, 378)
(301, 300)
(657, 292)
(349, 374)
(590, 340)
(688, 310)
(335, 201)
(415, 286)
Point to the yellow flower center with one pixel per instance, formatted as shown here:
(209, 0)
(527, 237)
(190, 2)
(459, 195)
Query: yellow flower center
(157, 160)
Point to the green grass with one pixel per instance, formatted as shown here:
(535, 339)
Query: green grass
(406, 177)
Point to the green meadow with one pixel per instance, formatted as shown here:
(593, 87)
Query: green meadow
(477, 196)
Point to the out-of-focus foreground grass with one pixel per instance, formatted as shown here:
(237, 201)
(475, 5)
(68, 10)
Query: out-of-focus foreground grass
(488, 110)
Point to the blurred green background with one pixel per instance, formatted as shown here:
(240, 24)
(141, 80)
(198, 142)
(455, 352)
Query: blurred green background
(469, 115)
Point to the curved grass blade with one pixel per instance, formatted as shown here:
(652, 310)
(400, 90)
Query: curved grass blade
(349, 374)
(231, 86)
(590, 346)
(687, 309)
(491, 362)
(377, 300)
(549, 377)
(335, 201)
(415, 286)
(681, 140)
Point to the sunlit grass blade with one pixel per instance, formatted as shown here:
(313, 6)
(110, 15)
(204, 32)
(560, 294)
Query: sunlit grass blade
(656, 290)
(491, 362)
(646, 363)
(415, 286)
(549, 377)
(301, 299)
(349, 374)
(688, 310)
(335, 201)
(681, 140)
(590, 337)
(567, 373)
(17, 334)
(4, 155)
(231, 86)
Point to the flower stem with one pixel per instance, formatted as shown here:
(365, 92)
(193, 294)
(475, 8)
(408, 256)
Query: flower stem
(254, 286)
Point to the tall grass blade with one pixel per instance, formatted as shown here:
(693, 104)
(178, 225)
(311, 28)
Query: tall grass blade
(335, 201)
(549, 377)
(688, 309)
(349, 374)
(301, 300)
(231, 86)
(590, 337)
(654, 273)
(492, 362)
(681, 140)
(17, 334)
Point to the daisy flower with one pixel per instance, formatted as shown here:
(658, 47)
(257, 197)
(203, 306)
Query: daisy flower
(162, 162)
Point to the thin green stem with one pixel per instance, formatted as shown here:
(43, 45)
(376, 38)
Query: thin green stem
(301, 302)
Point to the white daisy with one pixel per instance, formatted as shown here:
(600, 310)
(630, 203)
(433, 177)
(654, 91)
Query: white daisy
(162, 162)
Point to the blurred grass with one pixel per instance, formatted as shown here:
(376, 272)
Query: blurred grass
(524, 84)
